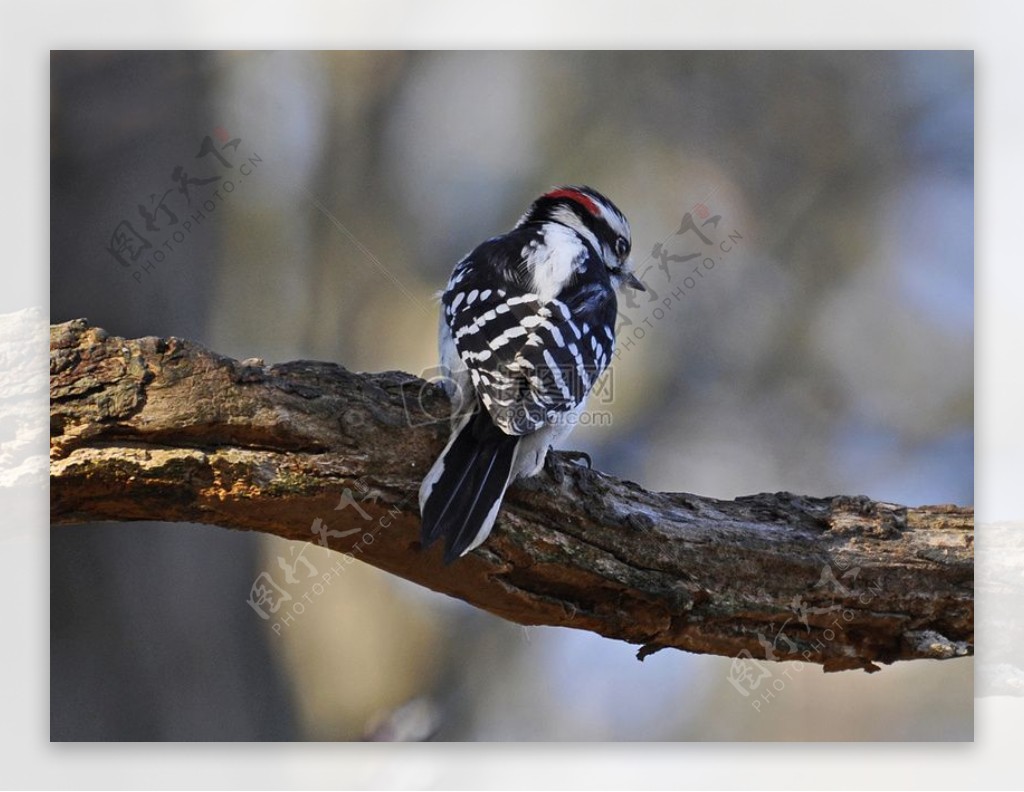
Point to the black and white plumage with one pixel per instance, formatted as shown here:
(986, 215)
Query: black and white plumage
(527, 326)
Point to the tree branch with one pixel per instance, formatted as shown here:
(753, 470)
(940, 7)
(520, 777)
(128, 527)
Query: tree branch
(162, 429)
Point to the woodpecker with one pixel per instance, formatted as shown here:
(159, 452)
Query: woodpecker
(527, 326)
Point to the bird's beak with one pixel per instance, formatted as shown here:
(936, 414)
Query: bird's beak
(635, 282)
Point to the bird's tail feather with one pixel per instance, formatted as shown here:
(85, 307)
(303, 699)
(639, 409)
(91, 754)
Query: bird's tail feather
(460, 496)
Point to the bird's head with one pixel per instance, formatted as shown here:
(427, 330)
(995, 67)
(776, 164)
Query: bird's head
(596, 219)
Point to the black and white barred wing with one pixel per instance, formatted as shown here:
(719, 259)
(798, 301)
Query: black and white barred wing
(532, 362)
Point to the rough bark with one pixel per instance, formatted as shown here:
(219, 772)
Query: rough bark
(164, 429)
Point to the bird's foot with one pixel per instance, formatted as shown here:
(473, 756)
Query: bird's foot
(576, 457)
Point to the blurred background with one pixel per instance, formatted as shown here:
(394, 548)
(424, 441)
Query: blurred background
(309, 204)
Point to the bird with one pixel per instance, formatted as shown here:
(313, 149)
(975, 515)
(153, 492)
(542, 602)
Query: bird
(527, 325)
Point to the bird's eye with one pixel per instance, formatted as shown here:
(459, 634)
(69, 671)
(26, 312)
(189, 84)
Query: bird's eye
(621, 247)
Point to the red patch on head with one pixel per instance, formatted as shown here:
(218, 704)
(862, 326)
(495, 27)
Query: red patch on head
(578, 197)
